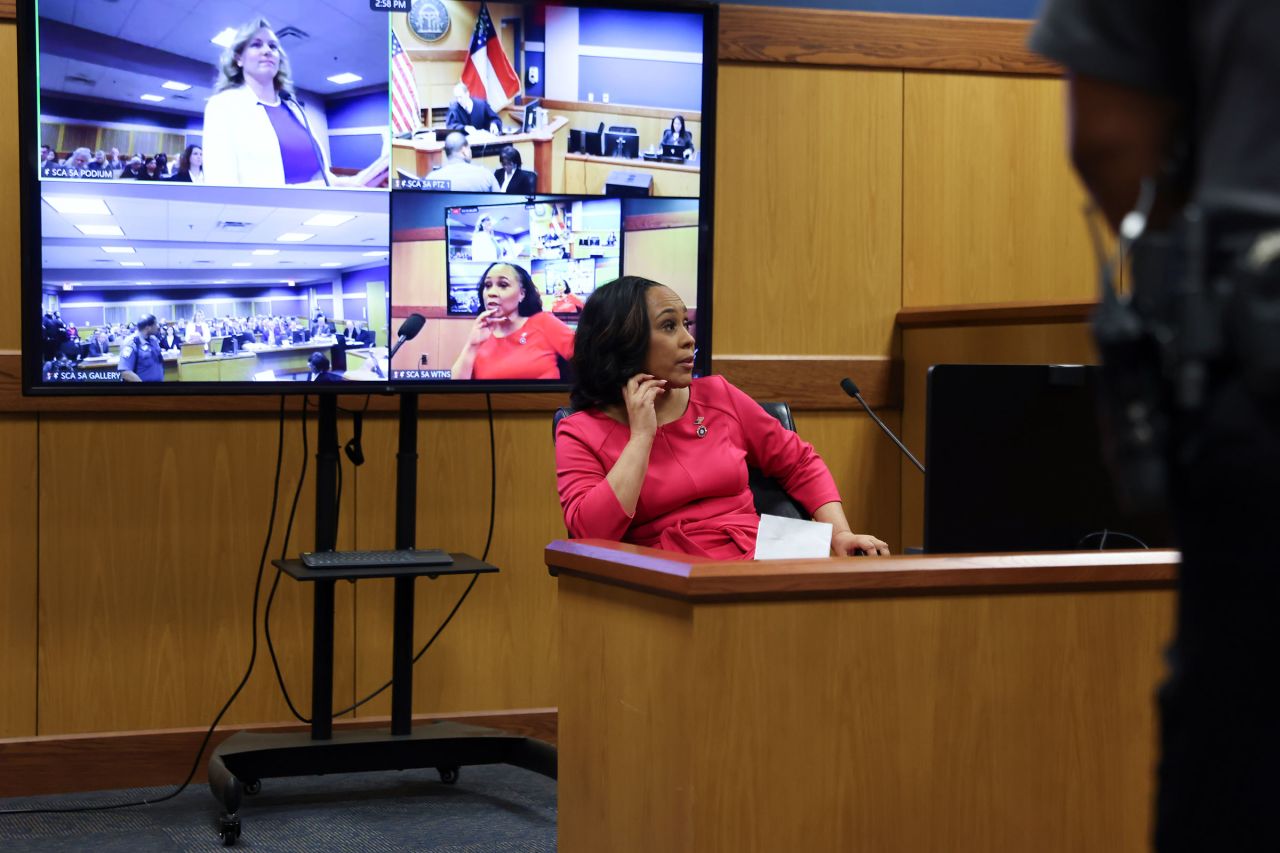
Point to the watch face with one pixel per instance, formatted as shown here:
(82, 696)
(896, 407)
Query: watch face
(429, 19)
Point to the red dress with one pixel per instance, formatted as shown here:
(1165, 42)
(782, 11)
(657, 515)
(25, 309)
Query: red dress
(695, 497)
(529, 353)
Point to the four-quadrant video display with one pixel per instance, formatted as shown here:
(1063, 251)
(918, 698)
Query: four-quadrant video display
(265, 193)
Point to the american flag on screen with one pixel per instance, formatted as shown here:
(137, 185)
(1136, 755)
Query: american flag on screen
(405, 110)
(487, 71)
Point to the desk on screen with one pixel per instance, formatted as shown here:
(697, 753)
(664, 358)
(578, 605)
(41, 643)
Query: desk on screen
(537, 152)
(585, 174)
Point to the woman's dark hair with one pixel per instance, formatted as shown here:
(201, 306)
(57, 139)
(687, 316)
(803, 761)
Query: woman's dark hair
(184, 160)
(611, 342)
(530, 299)
(510, 154)
(565, 287)
(684, 128)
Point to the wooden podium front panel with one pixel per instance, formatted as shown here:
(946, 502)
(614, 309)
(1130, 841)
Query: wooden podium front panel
(976, 720)
(965, 723)
(626, 705)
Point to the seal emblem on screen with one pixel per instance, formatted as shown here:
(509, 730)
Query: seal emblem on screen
(429, 19)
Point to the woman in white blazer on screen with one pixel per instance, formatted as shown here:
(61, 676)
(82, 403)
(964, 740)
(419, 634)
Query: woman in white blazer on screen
(255, 132)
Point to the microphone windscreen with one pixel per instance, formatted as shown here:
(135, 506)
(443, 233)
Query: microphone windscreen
(410, 327)
(849, 387)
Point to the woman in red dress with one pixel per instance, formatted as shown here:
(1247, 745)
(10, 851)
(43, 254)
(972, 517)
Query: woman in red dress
(657, 458)
(513, 338)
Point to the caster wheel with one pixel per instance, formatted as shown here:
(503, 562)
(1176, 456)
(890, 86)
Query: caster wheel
(253, 787)
(448, 775)
(228, 829)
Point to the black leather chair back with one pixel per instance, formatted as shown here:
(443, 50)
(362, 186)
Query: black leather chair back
(769, 496)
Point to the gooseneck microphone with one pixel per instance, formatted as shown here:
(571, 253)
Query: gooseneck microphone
(851, 389)
(408, 331)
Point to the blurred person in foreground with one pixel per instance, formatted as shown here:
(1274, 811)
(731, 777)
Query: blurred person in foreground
(1173, 118)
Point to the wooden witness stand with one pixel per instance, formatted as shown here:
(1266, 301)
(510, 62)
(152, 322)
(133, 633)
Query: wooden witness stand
(958, 703)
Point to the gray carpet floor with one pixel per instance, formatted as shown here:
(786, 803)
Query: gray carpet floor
(491, 809)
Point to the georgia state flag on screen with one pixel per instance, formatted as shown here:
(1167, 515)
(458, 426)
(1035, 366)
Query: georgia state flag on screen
(487, 71)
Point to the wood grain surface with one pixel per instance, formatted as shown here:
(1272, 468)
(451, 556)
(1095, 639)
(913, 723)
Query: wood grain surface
(808, 239)
(992, 211)
(662, 573)
(19, 561)
(150, 538)
(961, 723)
(837, 37)
(986, 314)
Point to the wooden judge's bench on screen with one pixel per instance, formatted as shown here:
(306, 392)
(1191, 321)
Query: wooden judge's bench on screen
(578, 137)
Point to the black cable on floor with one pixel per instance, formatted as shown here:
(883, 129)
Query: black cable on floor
(253, 656)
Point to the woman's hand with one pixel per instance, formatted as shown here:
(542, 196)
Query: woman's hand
(639, 396)
(483, 328)
(846, 544)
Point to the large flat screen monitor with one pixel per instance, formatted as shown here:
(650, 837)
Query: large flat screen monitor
(1014, 463)
(214, 201)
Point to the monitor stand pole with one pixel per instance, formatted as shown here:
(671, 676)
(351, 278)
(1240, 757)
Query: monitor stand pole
(238, 766)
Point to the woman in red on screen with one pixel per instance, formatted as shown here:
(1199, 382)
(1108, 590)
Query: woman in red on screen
(655, 457)
(513, 338)
(567, 302)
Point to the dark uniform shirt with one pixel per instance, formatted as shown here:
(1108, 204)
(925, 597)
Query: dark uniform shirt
(1218, 58)
(143, 358)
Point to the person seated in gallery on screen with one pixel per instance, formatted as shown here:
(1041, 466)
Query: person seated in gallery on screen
(321, 327)
(255, 130)
(100, 344)
(567, 302)
(657, 458)
(677, 134)
(459, 174)
(513, 338)
(190, 166)
(169, 338)
(141, 359)
(471, 114)
(512, 178)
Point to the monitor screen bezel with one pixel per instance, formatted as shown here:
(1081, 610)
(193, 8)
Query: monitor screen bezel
(32, 288)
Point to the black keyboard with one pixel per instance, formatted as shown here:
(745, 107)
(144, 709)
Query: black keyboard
(375, 559)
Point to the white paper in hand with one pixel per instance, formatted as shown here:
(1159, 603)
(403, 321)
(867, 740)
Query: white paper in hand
(790, 538)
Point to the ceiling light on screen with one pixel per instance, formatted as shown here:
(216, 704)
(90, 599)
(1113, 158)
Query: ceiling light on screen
(155, 99)
(294, 237)
(101, 230)
(78, 204)
(378, 254)
(344, 78)
(131, 263)
(70, 285)
(175, 86)
(326, 220)
(118, 250)
(265, 252)
(242, 264)
(226, 38)
(332, 264)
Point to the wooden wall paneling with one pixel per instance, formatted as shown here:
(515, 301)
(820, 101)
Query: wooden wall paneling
(500, 649)
(666, 255)
(808, 213)
(991, 209)
(865, 466)
(10, 250)
(150, 535)
(978, 707)
(18, 567)
(1030, 343)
